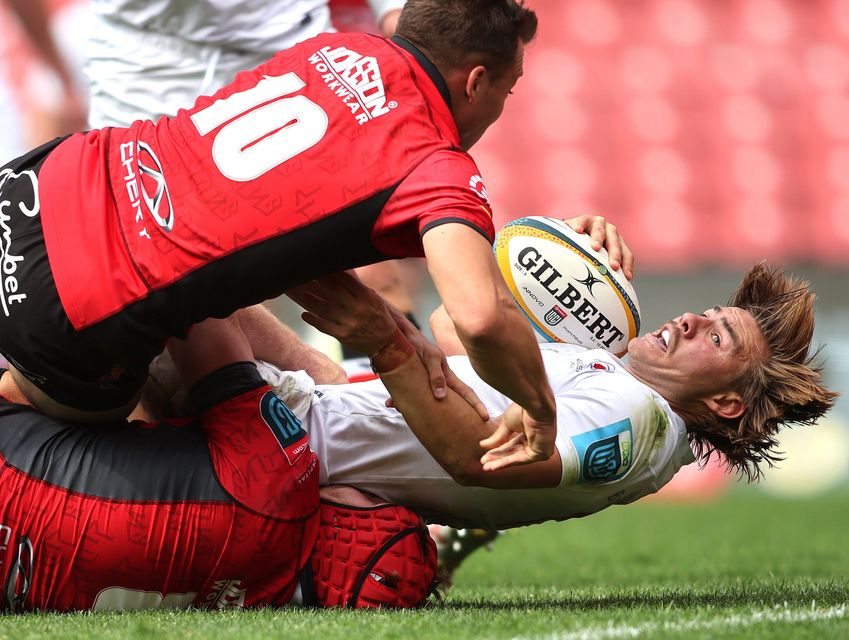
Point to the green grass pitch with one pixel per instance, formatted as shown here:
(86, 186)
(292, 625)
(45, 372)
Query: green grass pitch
(746, 566)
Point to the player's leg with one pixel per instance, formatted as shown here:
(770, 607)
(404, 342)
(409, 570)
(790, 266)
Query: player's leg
(454, 546)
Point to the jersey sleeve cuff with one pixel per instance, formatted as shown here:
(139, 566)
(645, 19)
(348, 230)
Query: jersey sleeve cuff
(468, 223)
(224, 383)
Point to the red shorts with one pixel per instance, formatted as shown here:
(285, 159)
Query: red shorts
(216, 512)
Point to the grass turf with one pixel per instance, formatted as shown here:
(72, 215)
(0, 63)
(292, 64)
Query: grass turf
(746, 566)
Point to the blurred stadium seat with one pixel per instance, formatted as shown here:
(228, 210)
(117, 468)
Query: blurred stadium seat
(714, 132)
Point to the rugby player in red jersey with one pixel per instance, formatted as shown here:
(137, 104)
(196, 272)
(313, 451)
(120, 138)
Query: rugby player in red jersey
(344, 150)
(218, 511)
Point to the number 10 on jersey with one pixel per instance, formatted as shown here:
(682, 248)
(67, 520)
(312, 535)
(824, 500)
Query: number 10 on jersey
(265, 126)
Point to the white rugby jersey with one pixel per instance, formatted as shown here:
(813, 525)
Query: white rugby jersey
(618, 440)
(149, 58)
(249, 25)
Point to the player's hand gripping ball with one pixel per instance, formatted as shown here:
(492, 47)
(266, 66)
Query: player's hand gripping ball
(566, 289)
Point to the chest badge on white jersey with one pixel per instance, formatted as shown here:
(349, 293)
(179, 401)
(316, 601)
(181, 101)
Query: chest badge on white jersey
(605, 454)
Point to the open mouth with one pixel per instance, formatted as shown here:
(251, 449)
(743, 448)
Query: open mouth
(663, 339)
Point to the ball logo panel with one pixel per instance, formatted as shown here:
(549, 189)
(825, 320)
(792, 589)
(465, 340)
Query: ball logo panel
(564, 287)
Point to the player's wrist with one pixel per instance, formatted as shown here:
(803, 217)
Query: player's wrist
(539, 418)
(392, 355)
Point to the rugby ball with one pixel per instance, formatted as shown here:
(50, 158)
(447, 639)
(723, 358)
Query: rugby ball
(566, 289)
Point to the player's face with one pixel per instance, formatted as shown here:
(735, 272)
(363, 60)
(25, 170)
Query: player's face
(695, 357)
(490, 97)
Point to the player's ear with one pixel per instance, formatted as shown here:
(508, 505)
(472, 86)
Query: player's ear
(728, 404)
(475, 82)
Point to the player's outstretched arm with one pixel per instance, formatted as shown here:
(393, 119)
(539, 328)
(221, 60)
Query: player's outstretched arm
(497, 338)
(326, 302)
(450, 428)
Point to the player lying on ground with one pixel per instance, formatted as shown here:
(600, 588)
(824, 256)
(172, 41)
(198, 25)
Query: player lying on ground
(724, 381)
(344, 150)
(218, 511)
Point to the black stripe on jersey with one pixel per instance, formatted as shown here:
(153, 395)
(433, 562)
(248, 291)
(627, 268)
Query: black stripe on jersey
(33, 159)
(116, 460)
(222, 384)
(255, 273)
(425, 64)
(468, 223)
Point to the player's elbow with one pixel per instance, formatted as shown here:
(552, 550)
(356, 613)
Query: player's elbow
(468, 473)
(483, 325)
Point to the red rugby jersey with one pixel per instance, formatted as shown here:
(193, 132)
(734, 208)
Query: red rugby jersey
(338, 152)
(214, 513)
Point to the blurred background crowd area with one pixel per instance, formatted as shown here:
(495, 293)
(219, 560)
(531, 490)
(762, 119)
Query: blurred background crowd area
(714, 133)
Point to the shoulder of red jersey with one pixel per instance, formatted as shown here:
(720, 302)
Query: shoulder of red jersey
(445, 187)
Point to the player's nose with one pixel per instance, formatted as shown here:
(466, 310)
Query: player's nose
(689, 323)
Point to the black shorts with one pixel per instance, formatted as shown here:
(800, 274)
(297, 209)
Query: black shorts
(72, 367)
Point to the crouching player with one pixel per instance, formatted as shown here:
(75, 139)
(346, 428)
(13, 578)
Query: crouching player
(218, 511)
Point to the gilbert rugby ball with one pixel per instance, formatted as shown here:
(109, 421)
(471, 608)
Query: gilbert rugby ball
(566, 288)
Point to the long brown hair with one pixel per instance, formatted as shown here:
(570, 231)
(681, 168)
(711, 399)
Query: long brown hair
(454, 33)
(782, 389)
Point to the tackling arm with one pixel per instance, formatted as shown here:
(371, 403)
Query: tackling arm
(451, 431)
(274, 342)
(449, 428)
(500, 344)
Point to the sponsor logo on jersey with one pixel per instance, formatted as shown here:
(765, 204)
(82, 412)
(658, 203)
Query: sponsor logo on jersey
(567, 294)
(285, 426)
(227, 594)
(110, 380)
(356, 81)
(476, 184)
(147, 185)
(154, 191)
(606, 453)
(16, 569)
(9, 260)
(126, 599)
(595, 365)
(305, 480)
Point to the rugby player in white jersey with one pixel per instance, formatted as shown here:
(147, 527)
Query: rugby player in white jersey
(149, 58)
(723, 381)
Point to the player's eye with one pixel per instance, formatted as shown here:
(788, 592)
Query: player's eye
(716, 339)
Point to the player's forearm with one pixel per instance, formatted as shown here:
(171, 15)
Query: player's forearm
(449, 428)
(507, 357)
(497, 338)
(274, 342)
(211, 345)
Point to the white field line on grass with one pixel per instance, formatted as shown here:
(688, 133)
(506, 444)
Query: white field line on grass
(750, 619)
